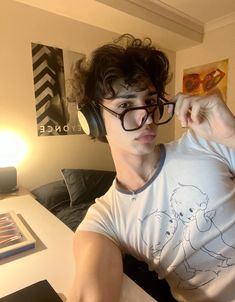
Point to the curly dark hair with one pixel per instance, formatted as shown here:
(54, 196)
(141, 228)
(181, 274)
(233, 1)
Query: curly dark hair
(134, 61)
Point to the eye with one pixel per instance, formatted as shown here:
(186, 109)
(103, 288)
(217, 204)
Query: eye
(181, 214)
(125, 105)
(191, 210)
(167, 233)
(151, 101)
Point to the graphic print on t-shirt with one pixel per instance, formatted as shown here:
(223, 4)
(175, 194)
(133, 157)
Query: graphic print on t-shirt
(164, 232)
(189, 232)
(201, 234)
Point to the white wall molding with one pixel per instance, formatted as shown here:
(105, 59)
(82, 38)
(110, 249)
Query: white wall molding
(220, 22)
(161, 16)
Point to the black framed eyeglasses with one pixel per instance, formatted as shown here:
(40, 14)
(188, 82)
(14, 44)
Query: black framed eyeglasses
(134, 118)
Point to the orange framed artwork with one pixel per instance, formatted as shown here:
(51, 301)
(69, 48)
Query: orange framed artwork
(204, 79)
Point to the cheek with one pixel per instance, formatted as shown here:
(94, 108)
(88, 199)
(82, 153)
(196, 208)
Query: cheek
(112, 125)
(116, 135)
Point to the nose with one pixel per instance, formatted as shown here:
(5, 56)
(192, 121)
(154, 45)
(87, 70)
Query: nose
(141, 117)
(149, 119)
(145, 117)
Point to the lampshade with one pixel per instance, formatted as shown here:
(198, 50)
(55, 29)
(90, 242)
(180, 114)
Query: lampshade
(12, 148)
(8, 179)
(12, 151)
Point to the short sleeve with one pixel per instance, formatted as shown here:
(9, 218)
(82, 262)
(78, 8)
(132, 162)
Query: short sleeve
(99, 218)
(226, 154)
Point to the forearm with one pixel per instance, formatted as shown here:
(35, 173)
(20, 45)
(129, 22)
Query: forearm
(93, 291)
(229, 129)
(98, 275)
(229, 140)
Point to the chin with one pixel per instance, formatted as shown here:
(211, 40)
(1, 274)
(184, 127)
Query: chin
(145, 148)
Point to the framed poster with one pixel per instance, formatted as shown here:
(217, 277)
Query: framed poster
(204, 79)
(56, 111)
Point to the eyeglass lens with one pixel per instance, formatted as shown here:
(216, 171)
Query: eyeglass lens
(135, 118)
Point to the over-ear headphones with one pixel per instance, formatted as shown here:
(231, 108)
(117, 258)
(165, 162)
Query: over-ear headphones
(91, 121)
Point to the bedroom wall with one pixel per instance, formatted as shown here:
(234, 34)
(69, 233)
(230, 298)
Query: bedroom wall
(218, 44)
(19, 26)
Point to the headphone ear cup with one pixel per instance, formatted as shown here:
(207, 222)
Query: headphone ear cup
(91, 121)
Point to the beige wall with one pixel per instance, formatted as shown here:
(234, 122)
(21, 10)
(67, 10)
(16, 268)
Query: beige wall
(166, 132)
(218, 44)
(19, 26)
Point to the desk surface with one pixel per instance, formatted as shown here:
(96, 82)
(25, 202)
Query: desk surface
(52, 257)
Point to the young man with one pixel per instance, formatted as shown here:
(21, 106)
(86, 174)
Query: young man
(170, 205)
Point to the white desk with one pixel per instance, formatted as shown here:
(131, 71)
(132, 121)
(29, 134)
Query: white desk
(52, 258)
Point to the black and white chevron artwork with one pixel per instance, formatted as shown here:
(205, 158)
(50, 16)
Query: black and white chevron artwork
(56, 113)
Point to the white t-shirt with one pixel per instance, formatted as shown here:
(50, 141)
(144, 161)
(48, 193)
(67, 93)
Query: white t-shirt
(181, 222)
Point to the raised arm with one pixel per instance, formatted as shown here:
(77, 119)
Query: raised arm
(98, 273)
(208, 116)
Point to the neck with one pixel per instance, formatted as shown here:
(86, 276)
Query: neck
(133, 171)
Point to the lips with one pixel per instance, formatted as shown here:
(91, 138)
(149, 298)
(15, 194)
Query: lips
(146, 137)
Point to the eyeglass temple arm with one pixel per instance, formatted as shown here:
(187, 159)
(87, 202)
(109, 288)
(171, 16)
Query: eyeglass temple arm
(168, 102)
(163, 99)
(110, 111)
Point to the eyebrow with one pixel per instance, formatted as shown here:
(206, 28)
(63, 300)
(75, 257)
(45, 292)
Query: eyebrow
(133, 95)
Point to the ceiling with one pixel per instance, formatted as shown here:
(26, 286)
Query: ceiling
(175, 24)
(204, 11)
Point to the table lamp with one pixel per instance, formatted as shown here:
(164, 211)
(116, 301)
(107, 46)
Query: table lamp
(12, 151)
(8, 179)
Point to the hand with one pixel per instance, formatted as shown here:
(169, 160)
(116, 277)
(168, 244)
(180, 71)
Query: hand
(204, 220)
(208, 116)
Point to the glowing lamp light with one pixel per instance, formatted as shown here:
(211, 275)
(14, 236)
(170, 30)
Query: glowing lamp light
(12, 150)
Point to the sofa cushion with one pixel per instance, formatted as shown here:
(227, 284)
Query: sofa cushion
(53, 195)
(73, 216)
(86, 185)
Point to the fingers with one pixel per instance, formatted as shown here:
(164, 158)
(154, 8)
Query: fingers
(197, 113)
(194, 110)
(208, 116)
(187, 109)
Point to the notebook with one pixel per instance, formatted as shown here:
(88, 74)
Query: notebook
(41, 291)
